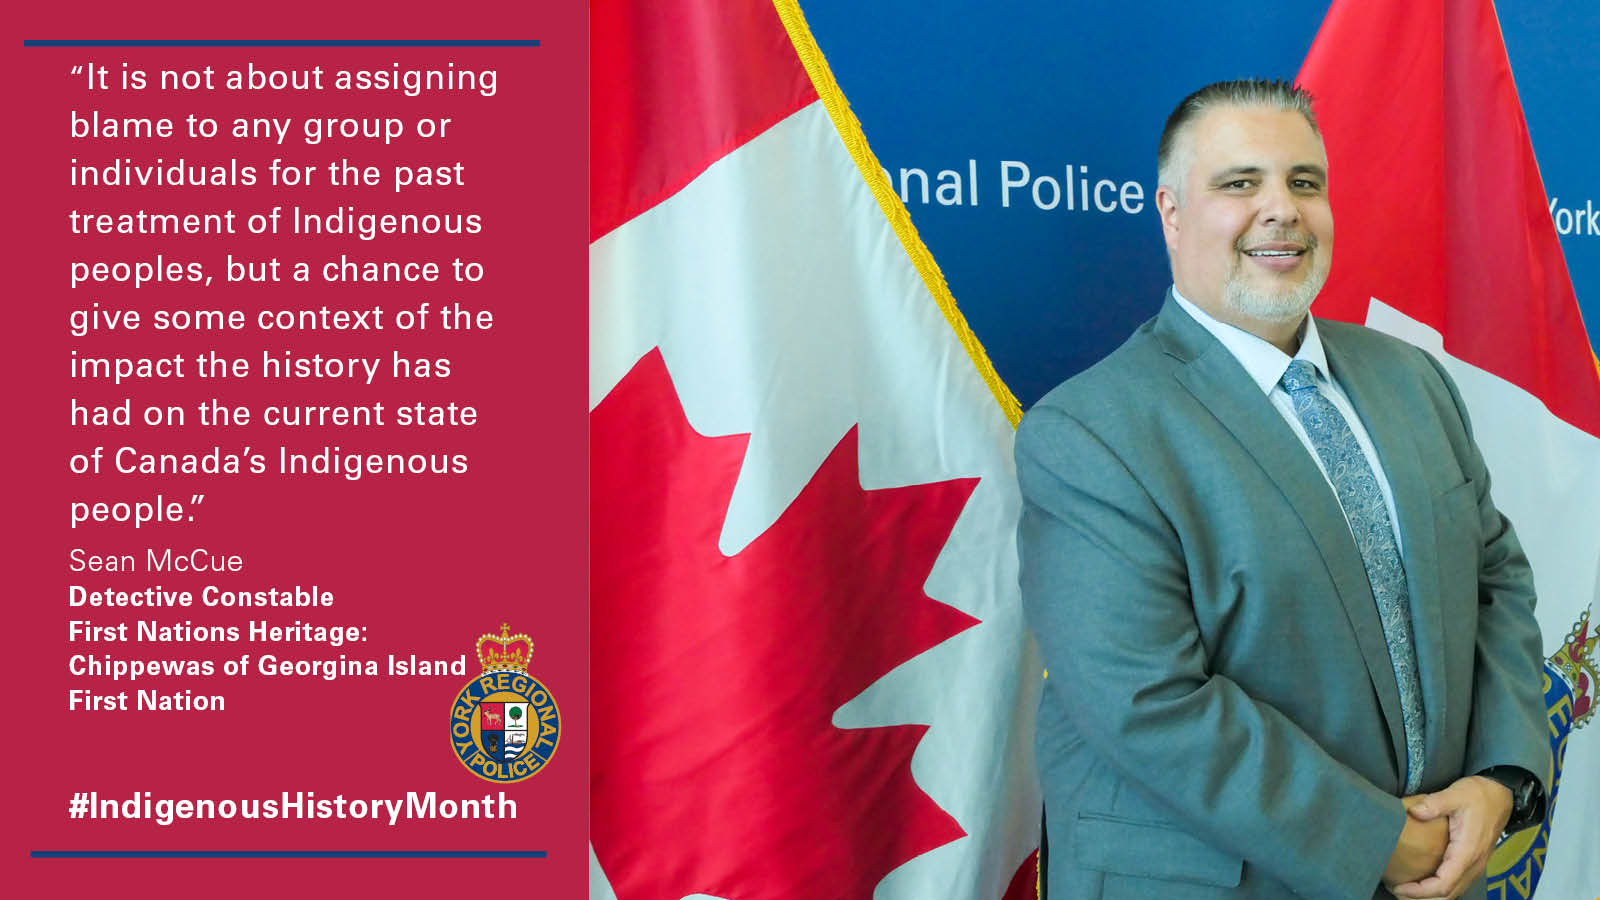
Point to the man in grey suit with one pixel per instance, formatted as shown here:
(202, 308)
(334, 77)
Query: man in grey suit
(1290, 640)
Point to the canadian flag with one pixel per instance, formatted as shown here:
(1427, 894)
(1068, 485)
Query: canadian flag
(1444, 239)
(810, 672)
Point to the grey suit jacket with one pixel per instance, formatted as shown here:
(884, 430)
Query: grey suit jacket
(1221, 717)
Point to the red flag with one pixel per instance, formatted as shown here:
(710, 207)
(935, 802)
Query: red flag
(1441, 212)
(1445, 239)
(810, 676)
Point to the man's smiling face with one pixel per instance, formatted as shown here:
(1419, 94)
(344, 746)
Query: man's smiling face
(1251, 236)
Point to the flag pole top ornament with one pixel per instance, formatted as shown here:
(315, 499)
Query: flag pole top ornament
(508, 652)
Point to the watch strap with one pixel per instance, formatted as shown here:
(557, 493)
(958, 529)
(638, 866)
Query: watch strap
(1527, 796)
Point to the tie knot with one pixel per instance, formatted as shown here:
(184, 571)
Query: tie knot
(1300, 375)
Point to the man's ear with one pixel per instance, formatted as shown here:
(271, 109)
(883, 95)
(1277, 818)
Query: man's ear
(1167, 206)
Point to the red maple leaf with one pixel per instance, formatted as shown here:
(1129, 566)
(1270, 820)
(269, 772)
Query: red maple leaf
(716, 765)
(1025, 883)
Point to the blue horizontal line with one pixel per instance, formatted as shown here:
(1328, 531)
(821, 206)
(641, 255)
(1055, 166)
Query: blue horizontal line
(267, 43)
(287, 854)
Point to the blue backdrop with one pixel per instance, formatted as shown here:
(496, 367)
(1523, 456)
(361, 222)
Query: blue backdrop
(946, 86)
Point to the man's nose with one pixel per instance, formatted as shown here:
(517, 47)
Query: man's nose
(1279, 205)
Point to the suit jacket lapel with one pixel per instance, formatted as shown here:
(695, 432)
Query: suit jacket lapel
(1218, 381)
(1385, 419)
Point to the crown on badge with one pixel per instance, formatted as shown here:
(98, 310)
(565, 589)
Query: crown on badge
(1579, 663)
(506, 652)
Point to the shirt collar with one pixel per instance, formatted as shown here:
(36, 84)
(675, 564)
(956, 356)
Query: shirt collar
(1261, 360)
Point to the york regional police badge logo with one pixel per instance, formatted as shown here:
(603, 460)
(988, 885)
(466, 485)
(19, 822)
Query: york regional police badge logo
(1570, 680)
(504, 725)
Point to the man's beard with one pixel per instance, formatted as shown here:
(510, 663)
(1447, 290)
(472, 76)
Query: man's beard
(1275, 307)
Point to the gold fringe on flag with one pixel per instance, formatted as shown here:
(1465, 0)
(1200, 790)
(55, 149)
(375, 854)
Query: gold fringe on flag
(855, 141)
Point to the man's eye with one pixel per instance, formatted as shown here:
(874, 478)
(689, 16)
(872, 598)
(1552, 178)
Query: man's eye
(1306, 185)
(1239, 185)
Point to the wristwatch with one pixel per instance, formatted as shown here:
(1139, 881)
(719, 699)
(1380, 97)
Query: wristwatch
(1527, 798)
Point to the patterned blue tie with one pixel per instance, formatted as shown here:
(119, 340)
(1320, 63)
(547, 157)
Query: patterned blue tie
(1364, 508)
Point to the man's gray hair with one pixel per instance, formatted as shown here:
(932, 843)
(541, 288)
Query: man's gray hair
(1174, 153)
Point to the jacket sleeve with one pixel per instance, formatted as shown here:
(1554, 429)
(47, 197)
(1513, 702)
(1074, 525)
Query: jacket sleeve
(1106, 591)
(1509, 722)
